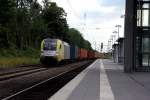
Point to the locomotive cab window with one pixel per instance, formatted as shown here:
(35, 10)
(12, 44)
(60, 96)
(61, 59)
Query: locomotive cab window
(50, 45)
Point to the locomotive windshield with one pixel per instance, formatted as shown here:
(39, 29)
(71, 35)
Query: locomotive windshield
(50, 44)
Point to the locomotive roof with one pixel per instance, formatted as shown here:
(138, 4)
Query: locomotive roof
(49, 40)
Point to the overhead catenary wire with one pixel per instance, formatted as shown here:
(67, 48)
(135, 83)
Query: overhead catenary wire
(84, 28)
(76, 14)
(73, 10)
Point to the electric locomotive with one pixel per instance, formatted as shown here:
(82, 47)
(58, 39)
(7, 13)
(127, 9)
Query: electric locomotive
(54, 51)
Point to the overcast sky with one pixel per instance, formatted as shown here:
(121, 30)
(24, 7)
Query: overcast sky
(95, 19)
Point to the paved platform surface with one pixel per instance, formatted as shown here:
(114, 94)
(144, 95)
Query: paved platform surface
(105, 80)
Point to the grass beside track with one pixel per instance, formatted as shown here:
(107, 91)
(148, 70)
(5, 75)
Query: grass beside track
(17, 61)
(13, 58)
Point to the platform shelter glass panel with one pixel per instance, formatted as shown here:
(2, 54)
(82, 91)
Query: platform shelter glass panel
(143, 35)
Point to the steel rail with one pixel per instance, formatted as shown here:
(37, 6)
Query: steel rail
(21, 73)
(40, 83)
(20, 70)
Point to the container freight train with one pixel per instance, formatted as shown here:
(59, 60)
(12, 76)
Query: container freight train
(58, 51)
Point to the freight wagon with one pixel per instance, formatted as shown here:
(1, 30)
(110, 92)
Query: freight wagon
(82, 54)
(97, 55)
(91, 55)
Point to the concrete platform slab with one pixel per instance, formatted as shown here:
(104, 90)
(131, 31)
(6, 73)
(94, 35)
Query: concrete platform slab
(104, 80)
(85, 86)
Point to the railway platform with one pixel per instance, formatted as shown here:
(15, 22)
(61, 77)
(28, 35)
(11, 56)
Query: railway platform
(105, 80)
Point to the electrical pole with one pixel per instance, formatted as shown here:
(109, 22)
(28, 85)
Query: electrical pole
(101, 47)
(109, 45)
(95, 45)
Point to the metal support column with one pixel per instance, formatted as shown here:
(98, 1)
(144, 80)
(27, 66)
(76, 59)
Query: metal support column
(130, 38)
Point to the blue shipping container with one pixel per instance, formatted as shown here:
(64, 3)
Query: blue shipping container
(73, 52)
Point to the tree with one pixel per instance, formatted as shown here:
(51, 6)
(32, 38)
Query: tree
(29, 23)
(24, 23)
(6, 13)
(76, 38)
(37, 24)
(55, 18)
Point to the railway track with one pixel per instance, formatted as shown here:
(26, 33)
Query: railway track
(20, 73)
(46, 88)
(23, 70)
(19, 69)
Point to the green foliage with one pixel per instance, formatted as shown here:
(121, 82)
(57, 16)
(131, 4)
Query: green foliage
(55, 18)
(87, 45)
(17, 61)
(76, 38)
(12, 52)
(24, 23)
(6, 11)
(12, 57)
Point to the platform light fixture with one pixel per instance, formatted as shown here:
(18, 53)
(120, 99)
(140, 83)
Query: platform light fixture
(118, 26)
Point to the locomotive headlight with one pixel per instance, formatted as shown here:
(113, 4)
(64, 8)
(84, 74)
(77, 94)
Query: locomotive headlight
(57, 53)
(42, 52)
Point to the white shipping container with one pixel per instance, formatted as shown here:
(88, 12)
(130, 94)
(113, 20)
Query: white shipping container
(66, 50)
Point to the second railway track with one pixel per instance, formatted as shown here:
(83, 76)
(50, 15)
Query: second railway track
(18, 73)
(16, 69)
